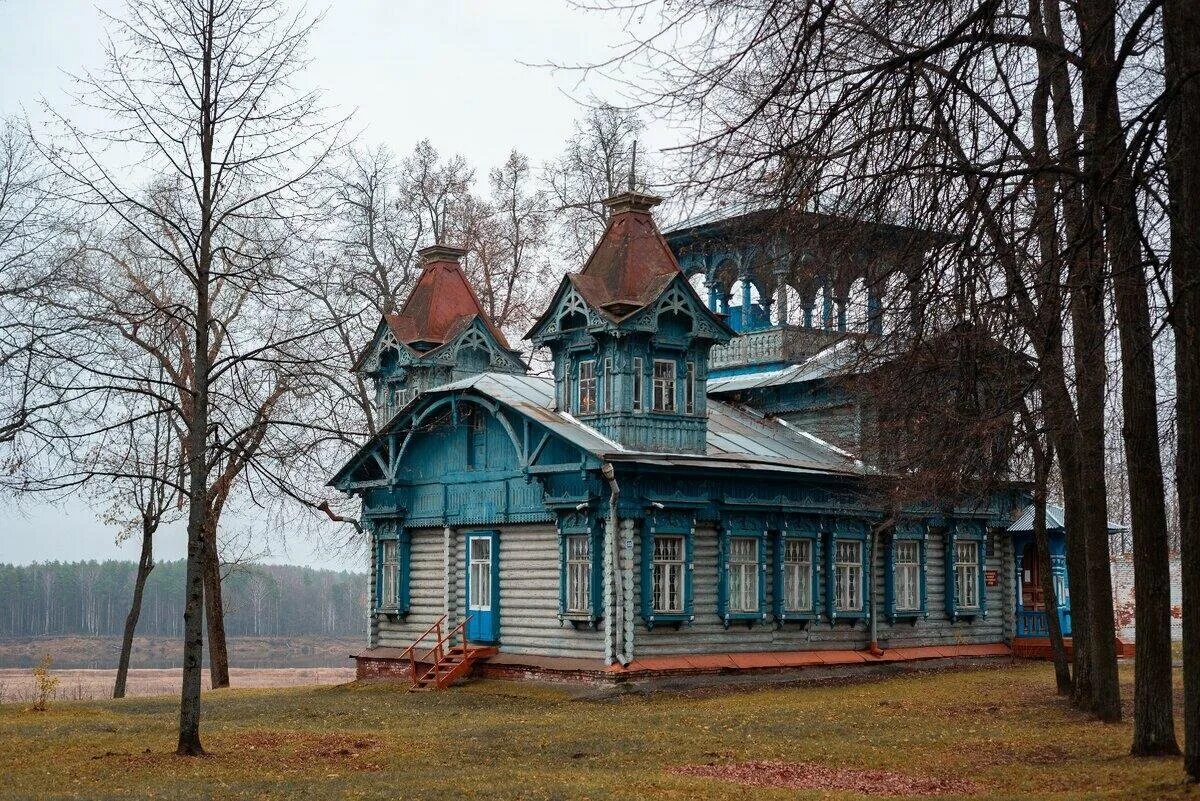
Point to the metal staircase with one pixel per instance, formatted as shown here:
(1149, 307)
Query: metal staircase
(442, 664)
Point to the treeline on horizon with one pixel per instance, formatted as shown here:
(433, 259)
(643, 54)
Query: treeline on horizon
(92, 599)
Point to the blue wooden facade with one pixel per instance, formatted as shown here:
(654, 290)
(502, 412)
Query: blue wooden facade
(630, 503)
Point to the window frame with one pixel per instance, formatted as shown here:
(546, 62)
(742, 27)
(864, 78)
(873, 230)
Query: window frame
(906, 532)
(689, 388)
(804, 532)
(608, 384)
(676, 524)
(638, 371)
(725, 609)
(392, 533)
(591, 384)
(847, 530)
(592, 615)
(666, 384)
(961, 531)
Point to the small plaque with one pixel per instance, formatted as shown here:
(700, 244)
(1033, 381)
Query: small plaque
(991, 578)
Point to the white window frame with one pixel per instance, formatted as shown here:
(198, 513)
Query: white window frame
(579, 574)
(741, 575)
(389, 574)
(797, 575)
(966, 574)
(668, 574)
(906, 575)
(848, 575)
(480, 568)
(663, 399)
(586, 388)
(638, 371)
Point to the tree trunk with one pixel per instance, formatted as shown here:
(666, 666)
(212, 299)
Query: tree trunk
(1153, 714)
(145, 565)
(1095, 19)
(197, 429)
(214, 612)
(1062, 667)
(1181, 33)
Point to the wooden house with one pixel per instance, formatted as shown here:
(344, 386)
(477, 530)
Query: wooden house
(668, 499)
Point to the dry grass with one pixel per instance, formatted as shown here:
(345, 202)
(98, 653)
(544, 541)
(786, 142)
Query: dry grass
(996, 730)
(18, 685)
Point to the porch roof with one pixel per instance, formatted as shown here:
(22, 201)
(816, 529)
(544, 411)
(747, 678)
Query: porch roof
(738, 438)
(1055, 521)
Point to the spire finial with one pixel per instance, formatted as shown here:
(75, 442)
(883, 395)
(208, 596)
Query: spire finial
(633, 167)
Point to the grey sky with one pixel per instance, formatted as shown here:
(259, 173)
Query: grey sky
(447, 71)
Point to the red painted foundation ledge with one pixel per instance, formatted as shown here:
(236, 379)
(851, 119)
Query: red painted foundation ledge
(778, 660)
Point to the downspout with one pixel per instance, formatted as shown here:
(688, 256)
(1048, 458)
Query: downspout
(612, 531)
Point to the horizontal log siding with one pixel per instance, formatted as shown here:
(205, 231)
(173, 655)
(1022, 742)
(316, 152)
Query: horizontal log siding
(426, 593)
(529, 577)
(708, 635)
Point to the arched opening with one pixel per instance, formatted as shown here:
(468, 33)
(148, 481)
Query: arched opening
(747, 312)
(788, 308)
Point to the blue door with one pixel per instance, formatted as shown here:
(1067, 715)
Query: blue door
(483, 587)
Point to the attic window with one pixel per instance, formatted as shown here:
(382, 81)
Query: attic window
(587, 386)
(664, 385)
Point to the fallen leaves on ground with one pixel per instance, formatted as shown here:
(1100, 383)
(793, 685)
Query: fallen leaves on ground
(814, 776)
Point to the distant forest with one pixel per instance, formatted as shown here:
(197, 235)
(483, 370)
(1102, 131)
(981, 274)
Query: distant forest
(92, 598)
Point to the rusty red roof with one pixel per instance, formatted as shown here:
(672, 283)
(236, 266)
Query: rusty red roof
(632, 263)
(441, 303)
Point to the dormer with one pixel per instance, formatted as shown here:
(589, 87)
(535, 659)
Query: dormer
(630, 338)
(439, 335)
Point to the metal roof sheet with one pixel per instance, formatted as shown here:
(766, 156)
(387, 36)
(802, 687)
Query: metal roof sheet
(737, 437)
(1055, 520)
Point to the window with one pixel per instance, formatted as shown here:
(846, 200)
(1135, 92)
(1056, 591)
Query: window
(608, 385)
(907, 576)
(668, 575)
(689, 397)
(743, 574)
(1061, 594)
(587, 386)
(797, 575)
(848, 572)
(481, 574)
(389, 574)
(579, 575)
(637, 385)
(966, 574)
(566, 397)
(664, 385)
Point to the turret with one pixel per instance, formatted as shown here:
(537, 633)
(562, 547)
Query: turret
(440, 334)
(630, 338)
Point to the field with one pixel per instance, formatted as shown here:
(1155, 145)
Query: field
(994, 732)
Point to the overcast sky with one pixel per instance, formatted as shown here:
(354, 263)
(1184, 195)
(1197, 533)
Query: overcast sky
(448, 71)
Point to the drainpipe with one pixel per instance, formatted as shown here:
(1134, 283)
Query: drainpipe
(612, 532)
(874, 648)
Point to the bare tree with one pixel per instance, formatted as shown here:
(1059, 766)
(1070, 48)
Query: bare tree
(595, 164)
(203, 94)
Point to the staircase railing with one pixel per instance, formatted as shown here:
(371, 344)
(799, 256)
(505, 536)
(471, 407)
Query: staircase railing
(437, 651)
(410, 651)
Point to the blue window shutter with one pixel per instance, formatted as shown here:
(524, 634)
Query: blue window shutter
(404, 582)
(562, 575)
(688, 575)
(598, 574)
(868, 556)
(949, 589)
(777, 551)
(723, 576)
(830, 577)
(982, 579)
(762, 575)
(924, 571)
(647, 574)
(378, 573)
(889, 575)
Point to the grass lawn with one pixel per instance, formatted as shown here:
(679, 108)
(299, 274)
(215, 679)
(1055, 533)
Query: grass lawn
(1001, 728)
